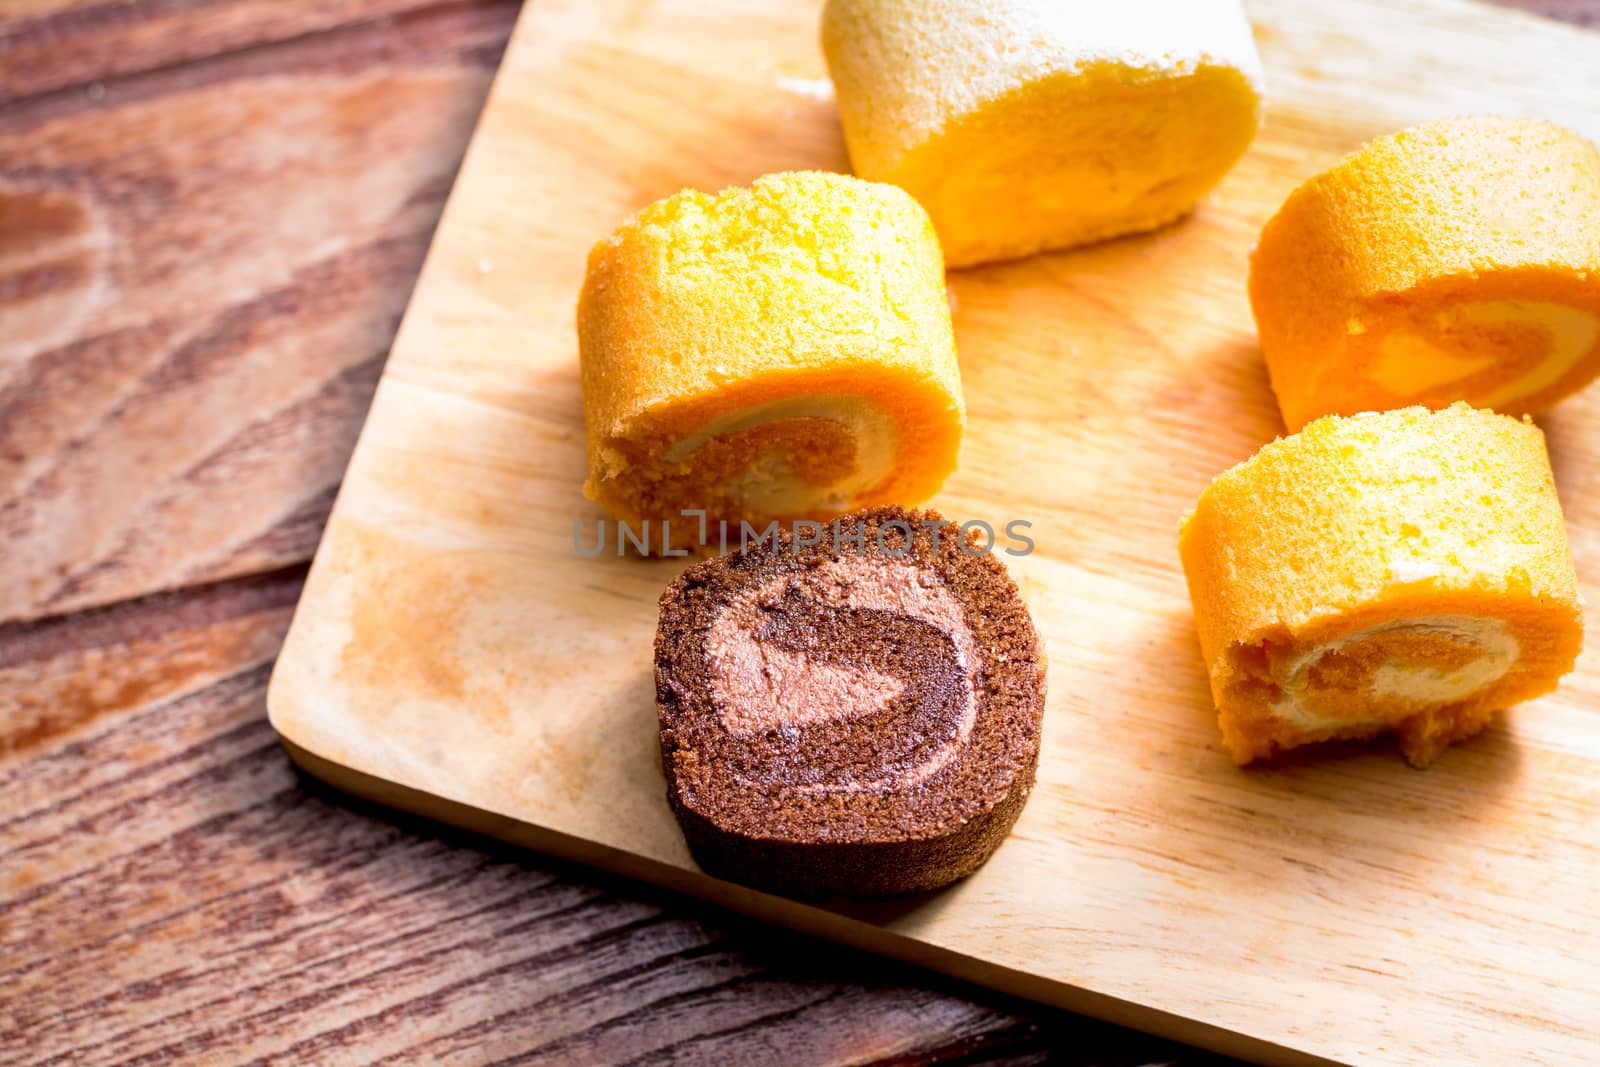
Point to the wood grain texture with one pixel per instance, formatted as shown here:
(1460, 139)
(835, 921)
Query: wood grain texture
(1336, 907)
(1577, 12)
(161, 871)
(200, 272)
(170, 892)
(48, 45)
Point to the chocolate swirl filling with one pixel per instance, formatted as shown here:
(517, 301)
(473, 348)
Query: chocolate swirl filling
(859, 674)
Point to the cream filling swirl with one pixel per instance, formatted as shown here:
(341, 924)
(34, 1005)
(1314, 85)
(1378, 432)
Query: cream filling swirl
(1410, 362)
(1408, 685)
(757, 687)
(769, 485)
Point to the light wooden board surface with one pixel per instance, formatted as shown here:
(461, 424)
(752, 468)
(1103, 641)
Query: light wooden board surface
(454, 653)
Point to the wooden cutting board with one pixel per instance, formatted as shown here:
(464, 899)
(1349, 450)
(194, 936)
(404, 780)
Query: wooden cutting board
(454, 654)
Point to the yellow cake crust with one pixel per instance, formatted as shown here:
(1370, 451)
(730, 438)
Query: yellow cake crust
(1456, 260)
(1025, 125)
(775, 352)
(1403, 572)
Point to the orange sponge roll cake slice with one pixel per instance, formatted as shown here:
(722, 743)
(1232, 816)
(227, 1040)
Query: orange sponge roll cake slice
(1457, 260)
(1025, 125)
(1402, 572)
(769, 353)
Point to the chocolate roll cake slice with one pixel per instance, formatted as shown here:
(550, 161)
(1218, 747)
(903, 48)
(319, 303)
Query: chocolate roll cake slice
(858, 716)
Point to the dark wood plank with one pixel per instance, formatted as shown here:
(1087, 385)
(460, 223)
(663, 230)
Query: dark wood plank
(200, 274)
(48, 45)
(169, 889)
(1577, 12)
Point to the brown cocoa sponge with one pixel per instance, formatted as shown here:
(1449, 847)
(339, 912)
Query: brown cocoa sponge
(855, 716)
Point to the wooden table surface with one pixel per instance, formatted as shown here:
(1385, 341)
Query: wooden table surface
(211, 214)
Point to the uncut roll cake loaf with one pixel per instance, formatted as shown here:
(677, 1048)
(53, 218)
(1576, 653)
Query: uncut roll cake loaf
(856, 716)
(1402, 572)
(1025, 125)
(776, 352)
(1456, 260)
